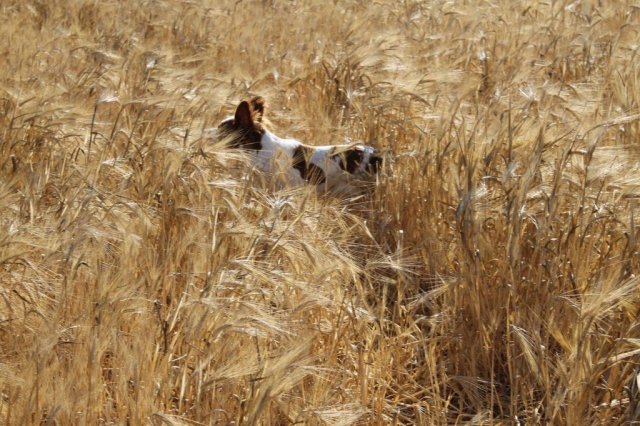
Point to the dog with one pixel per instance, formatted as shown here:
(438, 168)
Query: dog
(327, 165)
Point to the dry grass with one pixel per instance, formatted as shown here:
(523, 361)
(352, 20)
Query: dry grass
(491, 277)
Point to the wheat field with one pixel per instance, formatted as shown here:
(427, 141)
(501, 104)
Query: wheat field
(148, 275)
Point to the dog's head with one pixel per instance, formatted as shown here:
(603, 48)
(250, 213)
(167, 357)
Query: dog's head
(244, 130)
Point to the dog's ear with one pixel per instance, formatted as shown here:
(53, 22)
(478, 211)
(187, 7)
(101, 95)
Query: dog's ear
(243, 116)
(258, 104)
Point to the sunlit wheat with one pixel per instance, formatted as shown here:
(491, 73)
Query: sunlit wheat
(150, 275)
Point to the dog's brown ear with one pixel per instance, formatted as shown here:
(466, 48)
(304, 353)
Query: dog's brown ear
(243, 116)
(258, 104)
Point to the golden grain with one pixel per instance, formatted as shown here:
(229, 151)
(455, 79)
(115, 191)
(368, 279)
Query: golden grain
(149, 276)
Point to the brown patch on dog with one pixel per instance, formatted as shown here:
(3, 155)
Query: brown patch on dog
(350, 160)
(308, 171)
(245, 126)
(375, 163)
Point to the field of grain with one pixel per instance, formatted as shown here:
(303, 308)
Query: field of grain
(149, 276)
